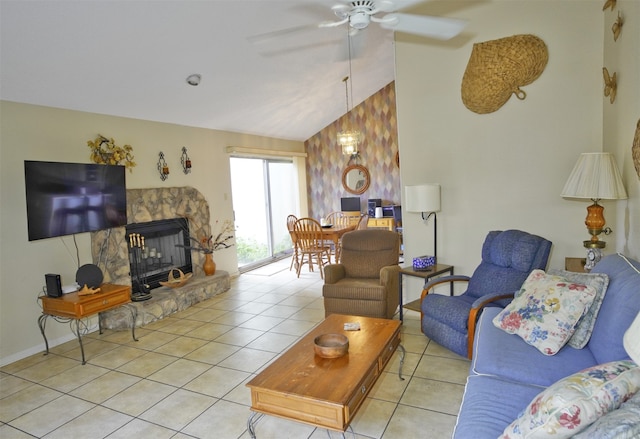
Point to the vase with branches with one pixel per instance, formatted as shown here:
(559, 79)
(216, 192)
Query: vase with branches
(211, 243)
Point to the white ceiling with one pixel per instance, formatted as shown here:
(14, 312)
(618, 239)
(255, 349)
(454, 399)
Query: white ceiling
(131, 58)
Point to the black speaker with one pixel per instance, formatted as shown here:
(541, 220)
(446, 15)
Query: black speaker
(89, 275)
(54, 286)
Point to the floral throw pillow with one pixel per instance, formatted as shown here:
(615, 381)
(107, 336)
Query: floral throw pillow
(623, 423)
(600, 282)
(570, 405)
(546, 311)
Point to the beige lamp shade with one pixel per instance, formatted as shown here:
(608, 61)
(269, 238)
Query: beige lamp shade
(422, 198)
(631, 340)
(595, 176)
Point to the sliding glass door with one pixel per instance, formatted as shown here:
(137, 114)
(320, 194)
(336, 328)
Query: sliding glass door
(264, 192)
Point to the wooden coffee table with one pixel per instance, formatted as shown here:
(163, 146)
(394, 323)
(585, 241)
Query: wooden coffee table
(327, 393)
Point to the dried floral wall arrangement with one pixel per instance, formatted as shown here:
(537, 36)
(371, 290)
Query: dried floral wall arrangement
(498, 68)
(105, 151)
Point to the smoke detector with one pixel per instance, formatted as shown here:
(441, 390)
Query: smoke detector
(194, 79)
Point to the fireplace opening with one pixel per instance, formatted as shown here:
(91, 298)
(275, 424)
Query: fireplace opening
(155, 248)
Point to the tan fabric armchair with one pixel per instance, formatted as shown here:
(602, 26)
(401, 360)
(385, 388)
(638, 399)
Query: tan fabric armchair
(365, 282)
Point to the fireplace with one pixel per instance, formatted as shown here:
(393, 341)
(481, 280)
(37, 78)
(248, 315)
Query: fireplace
(110, 248)
(156, 248)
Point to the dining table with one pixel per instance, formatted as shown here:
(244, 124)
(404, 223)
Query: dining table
(334, 233)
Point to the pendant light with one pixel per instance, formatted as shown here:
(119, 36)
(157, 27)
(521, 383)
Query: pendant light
(349, 139)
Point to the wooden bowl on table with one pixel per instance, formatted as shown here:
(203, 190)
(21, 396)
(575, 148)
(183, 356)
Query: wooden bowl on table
(331, 345)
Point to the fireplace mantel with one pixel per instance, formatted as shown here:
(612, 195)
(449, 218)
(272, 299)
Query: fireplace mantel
(109, 248)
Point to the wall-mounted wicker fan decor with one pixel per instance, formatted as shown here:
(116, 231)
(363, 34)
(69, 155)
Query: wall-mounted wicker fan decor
(498, 68)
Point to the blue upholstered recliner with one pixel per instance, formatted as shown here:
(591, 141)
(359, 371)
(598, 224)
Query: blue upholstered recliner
(507, 259)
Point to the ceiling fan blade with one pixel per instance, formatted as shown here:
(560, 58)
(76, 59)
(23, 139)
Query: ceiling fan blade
(333, 23)
(341, 10)
(440, 28)
(395, 5)
(260, 38)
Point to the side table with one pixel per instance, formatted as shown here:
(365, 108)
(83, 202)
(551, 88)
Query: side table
(75, 307)
(575, 264)
(436, 270)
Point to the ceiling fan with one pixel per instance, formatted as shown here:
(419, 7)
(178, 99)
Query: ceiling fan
(358, 14)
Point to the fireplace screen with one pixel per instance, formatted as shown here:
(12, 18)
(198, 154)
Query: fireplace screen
(154, 250)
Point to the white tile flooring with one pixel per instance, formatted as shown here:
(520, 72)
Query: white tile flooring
(185, 377)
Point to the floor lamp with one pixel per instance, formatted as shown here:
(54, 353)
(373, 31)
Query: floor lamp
(425, 199)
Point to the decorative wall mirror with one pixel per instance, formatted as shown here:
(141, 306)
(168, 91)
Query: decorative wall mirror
(356, 179)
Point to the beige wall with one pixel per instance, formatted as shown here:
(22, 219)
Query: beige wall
(31, 132)
(621, 118)
(506, 169)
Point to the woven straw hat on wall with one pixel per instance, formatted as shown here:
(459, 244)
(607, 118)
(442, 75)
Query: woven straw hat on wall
(498, 68)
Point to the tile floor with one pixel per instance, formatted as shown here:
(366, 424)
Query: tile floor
(185, 377)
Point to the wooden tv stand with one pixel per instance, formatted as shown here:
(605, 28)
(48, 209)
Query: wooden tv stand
(75, 307)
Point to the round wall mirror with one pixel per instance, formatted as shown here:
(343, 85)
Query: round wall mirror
(356, 179)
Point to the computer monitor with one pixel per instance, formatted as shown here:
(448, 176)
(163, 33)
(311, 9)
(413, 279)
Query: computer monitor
(350, 204)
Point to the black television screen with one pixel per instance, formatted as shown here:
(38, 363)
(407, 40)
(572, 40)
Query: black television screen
(69, 198)
(350, 204)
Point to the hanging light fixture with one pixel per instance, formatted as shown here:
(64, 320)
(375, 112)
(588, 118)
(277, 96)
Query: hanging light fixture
(349, 138)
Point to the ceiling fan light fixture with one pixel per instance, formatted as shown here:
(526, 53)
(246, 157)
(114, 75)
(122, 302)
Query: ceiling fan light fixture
(359, 20)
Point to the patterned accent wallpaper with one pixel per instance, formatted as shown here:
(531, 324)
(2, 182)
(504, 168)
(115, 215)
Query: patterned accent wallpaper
(376, 119)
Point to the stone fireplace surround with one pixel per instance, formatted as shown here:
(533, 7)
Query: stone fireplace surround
(110, 252)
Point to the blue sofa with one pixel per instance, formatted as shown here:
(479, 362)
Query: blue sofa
(506, 373)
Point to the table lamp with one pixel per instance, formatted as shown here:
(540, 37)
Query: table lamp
(596, 177)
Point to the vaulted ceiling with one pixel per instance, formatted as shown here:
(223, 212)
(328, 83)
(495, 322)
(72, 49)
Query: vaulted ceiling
(131, 59)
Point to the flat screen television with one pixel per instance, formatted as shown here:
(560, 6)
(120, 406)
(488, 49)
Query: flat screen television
(69, 198)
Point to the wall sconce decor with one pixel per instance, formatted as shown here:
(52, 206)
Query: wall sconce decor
(595, 177)
(185, 161)
(163, 168)
(425, 199)
(616, 28)
(610, 84)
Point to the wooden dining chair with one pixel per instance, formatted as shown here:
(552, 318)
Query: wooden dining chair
(291, 220)
(336, 219)
(308, 235)
(363, 222)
